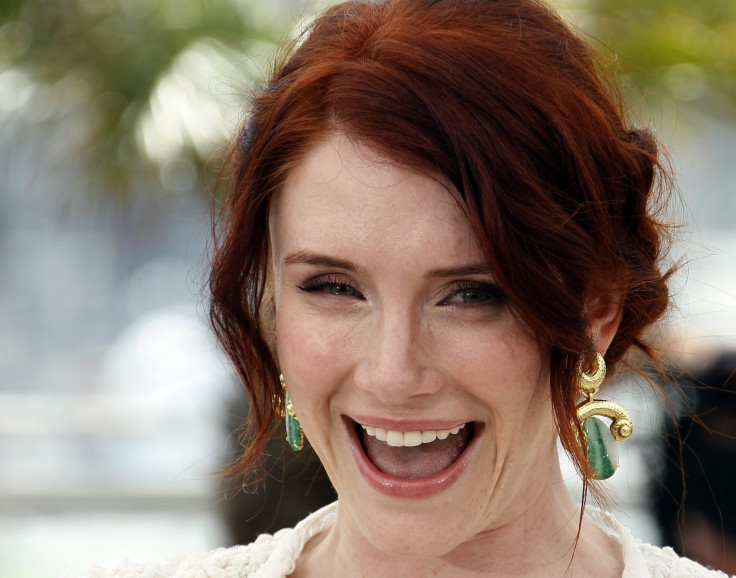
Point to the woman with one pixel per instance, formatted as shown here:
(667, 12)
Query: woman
(439, 227)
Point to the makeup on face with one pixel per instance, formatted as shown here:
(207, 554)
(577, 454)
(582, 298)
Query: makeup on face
(409, 374)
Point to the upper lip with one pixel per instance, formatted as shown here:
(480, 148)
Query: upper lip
(406, 425)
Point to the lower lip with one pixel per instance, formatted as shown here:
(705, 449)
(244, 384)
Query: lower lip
(409, 488)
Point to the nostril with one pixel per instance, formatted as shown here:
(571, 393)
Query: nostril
(395, 384)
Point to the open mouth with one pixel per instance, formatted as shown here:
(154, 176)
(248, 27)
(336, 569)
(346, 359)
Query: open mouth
(414, 454)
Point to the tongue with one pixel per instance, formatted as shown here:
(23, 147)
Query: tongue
(416, 462)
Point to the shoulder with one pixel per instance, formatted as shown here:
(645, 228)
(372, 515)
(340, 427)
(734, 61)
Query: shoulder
(270, 556)
(642, 559)
(665, 563)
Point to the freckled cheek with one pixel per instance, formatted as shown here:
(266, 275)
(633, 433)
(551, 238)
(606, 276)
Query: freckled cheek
(500, 368)
(313, 354)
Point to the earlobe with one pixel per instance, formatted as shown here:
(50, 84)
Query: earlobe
(604, 318)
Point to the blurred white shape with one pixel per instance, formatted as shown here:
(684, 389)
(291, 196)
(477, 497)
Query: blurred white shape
(155, 419)
(125, 471)
(183, 113)
(169, 357)
(16, 89)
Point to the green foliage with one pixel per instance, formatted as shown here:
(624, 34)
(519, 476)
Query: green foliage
(681, 50)
(97, 65)
(136, 82)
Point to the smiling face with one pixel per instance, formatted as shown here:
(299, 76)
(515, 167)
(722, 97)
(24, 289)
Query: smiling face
(426, 401)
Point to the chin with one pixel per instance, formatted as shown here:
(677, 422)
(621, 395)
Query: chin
(420, 517)
(428, 533)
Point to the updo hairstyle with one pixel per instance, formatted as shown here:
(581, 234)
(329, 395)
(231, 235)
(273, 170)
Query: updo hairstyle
(517, 112)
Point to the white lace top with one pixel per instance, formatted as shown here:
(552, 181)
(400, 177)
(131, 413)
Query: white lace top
(274, 556)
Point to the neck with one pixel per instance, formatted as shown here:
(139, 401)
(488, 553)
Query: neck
(539, 539)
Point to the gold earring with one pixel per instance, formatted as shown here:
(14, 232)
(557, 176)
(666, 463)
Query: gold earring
(294, 433)
(600, 441)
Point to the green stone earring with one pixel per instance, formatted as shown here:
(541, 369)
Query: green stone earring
(294, 433)
(600, 441)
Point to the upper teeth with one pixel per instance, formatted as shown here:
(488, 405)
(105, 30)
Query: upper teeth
(408, 438)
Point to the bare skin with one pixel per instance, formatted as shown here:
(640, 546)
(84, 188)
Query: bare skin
(531, 546)
(387, 316)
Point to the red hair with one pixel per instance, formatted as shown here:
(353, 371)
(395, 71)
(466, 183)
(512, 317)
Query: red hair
(519, 114)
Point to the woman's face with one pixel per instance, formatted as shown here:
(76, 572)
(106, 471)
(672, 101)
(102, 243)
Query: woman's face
(392, 334)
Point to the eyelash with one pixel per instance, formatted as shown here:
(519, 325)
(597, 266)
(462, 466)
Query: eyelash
(322, 282)
(495, 293)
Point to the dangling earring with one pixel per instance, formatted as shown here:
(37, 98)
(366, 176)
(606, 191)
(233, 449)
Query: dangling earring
(601, 441)
(294, 433)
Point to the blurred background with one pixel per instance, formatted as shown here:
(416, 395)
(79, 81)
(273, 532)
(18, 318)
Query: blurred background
(115, 404)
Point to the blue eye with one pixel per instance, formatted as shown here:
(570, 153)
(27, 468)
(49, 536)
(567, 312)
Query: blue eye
(475, 293)
(330, 285)
(339, 289)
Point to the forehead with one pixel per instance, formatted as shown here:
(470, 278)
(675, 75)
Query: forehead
(345, 197)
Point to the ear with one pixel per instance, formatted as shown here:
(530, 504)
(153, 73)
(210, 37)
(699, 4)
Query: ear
(604, 317)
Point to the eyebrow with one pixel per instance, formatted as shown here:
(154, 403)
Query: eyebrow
(476, 269)
(317, 260)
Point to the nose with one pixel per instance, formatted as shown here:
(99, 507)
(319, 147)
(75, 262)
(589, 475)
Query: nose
(395, 365)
